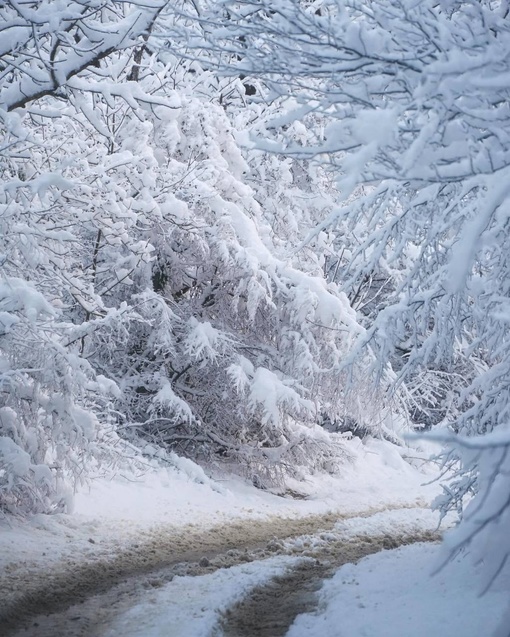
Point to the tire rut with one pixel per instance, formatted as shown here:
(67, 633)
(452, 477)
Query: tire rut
(78, 597)
(269, 610)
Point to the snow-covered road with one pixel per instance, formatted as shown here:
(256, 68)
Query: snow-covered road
(94, 597)
(175, 554)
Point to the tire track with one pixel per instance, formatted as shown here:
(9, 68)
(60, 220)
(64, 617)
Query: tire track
(76, 598)
(269, 610)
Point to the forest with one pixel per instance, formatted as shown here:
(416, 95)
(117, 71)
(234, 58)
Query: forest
(242, 231)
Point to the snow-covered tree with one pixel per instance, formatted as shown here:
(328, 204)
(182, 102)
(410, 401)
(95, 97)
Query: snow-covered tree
(148, 286)
(232, 341)
(56, 415)
(416, 98)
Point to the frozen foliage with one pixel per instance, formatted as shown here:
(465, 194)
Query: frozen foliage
(419, 140)
(485, 521)
(45, 45)
(147, 287)
(416, 99)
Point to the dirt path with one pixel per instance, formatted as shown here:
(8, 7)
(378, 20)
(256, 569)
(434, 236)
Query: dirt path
(77, 599)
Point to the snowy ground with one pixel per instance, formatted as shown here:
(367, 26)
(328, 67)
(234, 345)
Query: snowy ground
(178, 508)
(110, 513)
(195, 606)
(392, 594)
